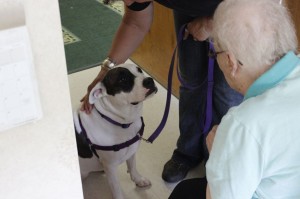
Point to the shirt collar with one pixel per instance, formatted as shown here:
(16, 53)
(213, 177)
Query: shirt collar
(274, 75)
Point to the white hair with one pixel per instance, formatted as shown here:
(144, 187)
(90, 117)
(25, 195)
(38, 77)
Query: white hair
(257, 32)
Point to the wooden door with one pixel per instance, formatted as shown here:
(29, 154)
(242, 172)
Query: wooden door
(294, 7)
(154, 55)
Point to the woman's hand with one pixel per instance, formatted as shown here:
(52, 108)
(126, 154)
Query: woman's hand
(86, 106)
(200, 28)
(210, 138)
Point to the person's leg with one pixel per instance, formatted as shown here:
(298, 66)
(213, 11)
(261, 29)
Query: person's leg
(193, 62)
(191, 147)
(190, 189)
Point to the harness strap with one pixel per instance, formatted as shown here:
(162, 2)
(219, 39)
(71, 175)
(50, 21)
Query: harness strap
(115, 147)
(124, 126)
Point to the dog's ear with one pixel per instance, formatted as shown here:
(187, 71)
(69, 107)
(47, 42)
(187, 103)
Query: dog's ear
(97, 92)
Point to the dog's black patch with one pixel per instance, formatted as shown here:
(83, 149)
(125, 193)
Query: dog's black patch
(83, 147)
(117, 80)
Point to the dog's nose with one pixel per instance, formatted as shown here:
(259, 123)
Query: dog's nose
(148, 82)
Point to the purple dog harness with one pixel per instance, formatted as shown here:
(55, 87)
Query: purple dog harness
(115, 147)
(124, 126)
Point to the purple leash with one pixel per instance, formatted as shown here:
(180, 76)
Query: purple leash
(162, 124)
(210, 85)
(208, 118)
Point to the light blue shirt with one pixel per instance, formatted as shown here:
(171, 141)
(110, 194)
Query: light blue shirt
(274, 75)
(256, 151)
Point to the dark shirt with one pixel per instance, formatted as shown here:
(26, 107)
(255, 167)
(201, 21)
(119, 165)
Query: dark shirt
(189, 7)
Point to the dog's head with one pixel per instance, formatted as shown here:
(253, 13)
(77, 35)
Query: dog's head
(125, 84)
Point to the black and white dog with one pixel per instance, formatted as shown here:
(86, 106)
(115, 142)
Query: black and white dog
(111, 133)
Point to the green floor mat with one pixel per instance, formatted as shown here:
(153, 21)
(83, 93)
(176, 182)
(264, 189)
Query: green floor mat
(88, 28)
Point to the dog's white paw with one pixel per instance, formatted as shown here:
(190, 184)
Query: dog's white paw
(143, 182)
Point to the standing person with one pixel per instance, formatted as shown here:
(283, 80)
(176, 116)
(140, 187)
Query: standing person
(193, 61)
(254, 152)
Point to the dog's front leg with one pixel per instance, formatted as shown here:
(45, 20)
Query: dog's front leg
(113, 181)
(139, 180)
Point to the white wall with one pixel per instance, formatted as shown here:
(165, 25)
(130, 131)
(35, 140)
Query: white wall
(39, 160)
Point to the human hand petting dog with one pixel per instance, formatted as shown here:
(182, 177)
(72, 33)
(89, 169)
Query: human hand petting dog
(86, 106)
(210, 137)
(200, 28)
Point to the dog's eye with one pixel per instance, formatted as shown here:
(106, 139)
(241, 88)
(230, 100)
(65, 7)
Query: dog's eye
(123, 79)
(139, 70)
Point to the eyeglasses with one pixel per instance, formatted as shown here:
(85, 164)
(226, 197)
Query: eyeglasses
(213, 54)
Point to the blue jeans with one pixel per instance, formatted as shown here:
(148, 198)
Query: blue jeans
(193, 64)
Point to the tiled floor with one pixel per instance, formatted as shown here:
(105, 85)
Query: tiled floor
(150, 157)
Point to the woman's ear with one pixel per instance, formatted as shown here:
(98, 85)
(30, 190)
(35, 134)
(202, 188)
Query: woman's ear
(233, 63)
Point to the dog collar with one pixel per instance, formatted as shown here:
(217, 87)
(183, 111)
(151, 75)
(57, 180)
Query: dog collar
(115, 147)
(124, 126)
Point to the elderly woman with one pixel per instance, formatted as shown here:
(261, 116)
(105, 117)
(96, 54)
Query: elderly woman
(254, 152)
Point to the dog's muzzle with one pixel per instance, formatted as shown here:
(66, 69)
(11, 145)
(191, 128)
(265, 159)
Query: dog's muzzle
(149, 84)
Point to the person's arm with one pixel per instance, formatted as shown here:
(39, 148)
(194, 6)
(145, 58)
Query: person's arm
(209, 143)
(132, 30)
(208, 192)
(235, 154)
(210, 138)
